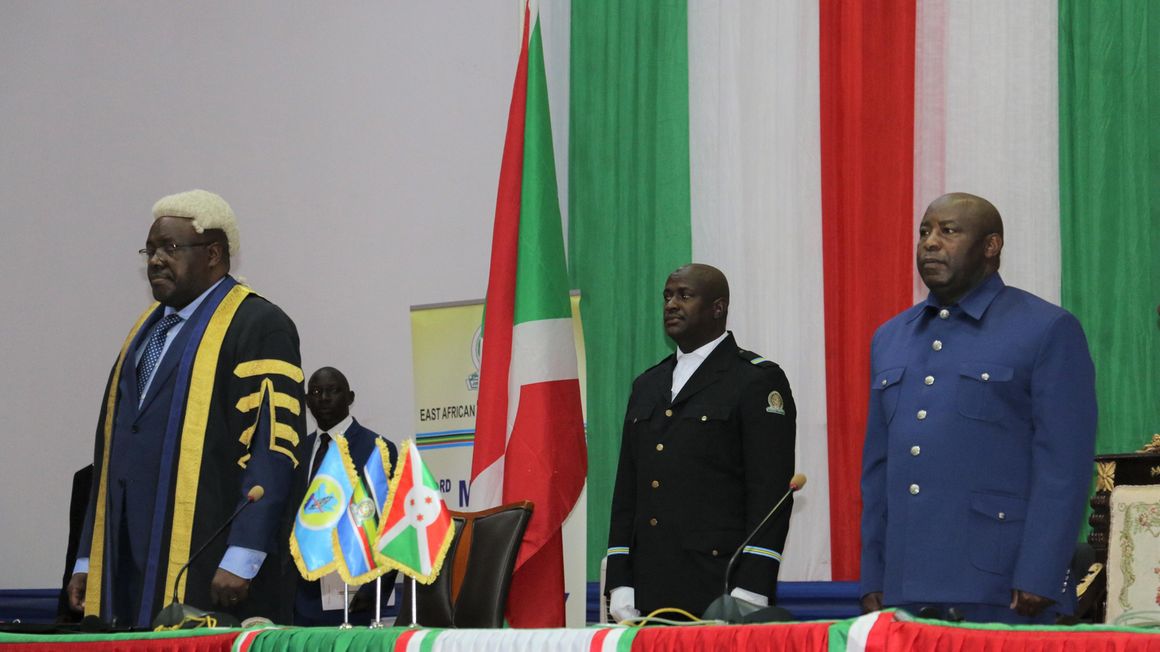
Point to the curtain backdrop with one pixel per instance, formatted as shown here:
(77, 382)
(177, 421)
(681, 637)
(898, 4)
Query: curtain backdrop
(867, 122)
(815, 133)
(757, 215)
(1109, 79)
(986, 122)
(628, 203)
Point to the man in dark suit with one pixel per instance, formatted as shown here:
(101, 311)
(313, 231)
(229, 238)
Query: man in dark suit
(707, 450)
(329, 397)
(202, 405)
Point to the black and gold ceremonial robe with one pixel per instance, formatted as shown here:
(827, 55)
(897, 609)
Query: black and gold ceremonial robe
(223, 413)
(696, 474)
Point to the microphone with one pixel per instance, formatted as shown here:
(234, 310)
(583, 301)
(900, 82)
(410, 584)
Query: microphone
(175, 614)
(735, 610)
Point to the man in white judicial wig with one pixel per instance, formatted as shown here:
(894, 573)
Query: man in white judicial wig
(203, 406)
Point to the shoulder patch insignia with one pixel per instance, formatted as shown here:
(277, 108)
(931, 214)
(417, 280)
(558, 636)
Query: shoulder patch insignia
(776, 403)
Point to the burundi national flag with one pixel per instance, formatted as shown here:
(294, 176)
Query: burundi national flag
(416, 530)
(326, 502)
(529, 440)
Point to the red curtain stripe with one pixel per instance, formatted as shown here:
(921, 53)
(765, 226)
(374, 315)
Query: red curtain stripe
(867, 149)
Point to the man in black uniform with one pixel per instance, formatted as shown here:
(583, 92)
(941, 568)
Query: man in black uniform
(707, 449)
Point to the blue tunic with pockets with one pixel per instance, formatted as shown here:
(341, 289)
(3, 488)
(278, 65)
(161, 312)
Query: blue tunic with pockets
(978, 451)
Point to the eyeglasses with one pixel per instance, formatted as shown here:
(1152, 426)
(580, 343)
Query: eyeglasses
(169, 250)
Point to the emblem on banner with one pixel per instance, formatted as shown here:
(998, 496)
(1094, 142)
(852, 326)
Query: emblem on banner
(476, 357)
(325, 506)
(363, 510)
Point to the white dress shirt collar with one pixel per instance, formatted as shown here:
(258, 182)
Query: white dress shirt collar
(688, 363)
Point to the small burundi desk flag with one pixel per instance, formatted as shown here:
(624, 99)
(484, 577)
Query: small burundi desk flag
(416, 528)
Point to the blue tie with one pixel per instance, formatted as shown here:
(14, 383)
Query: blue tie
(153, 350)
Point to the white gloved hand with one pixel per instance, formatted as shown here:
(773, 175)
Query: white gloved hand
(750, 596)
(622, 604)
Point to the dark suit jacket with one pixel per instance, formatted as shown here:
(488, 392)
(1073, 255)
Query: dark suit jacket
(307, 594)
(696, 474)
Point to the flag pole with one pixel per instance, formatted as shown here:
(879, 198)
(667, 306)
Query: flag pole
(345, 607)
(414, 603)
(377, 623)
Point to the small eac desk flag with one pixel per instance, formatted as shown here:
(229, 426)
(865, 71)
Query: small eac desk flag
(416, 528)
(326, 502)
(338, 520)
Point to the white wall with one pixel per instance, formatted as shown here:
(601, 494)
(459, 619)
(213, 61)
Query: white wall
(358, 142)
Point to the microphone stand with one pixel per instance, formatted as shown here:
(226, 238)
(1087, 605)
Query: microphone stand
(176, 614)
(736, 610)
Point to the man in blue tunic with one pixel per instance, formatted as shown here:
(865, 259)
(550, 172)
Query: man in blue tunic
(979, 439)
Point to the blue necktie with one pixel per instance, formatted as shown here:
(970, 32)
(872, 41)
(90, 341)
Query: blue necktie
(153, 350)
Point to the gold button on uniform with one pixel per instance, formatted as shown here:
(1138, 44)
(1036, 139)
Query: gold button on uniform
(660, 447)
(668, 413)
(936, 345)
(915, 450)
(914, 489)
(704, 418)
(652, 522)
(921, 415)
(929, 380)
(944, 314)
(656, 483)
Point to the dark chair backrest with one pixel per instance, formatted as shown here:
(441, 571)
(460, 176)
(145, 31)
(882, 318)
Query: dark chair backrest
(472, 588)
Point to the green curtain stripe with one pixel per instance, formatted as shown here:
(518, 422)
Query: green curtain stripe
(1109, 173)
(541, 274)
(629, 208)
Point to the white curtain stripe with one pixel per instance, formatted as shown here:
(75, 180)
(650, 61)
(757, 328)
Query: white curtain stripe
(754, 141)
(987, 122)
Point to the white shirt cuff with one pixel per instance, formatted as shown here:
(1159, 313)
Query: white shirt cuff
(750, 596)
(82, 566)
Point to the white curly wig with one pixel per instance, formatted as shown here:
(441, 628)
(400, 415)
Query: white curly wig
(207, 210)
